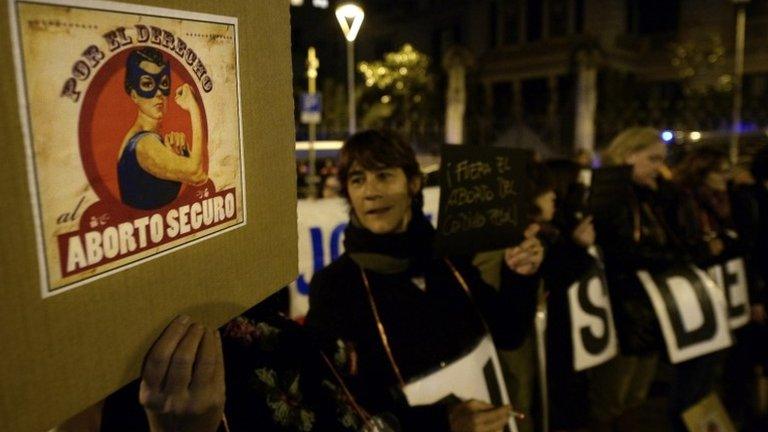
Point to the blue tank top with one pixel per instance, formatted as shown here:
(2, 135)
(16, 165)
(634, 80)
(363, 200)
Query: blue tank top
(138, 188)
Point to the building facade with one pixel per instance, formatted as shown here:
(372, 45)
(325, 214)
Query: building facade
(575, 72)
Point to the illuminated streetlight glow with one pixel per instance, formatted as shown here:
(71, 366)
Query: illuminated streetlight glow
(695, 136)
(350, 17)
(667, 136)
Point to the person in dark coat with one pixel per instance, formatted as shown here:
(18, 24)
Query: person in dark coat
(569, 234)
(634, 234)
(748, 360)
(394, 309)
(706, 223)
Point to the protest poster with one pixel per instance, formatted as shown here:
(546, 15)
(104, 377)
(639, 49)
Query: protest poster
(731, 276)
(476, 376)
(484, 198)
(691, 310)
(134, 138)
(129, 194)
(593, 334)
(708, 415)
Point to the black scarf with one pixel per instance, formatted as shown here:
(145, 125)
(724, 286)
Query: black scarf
(391, 253)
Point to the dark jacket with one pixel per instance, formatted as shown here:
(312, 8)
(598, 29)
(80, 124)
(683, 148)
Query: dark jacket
(565, 262)
(635, 234)
(750, 213)
(425, 328)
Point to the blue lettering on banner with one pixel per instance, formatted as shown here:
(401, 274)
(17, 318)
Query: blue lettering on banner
(318, 256)
(336, 242)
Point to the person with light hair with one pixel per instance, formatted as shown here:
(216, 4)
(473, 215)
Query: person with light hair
(634, 235)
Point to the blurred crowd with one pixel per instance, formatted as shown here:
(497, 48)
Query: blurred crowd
(327, 184)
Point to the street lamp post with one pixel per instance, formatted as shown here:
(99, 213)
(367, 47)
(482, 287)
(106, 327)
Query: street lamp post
(738, 72)
(312, 65)
(350, 17)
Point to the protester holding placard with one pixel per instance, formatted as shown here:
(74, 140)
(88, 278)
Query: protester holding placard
(574, 280)
(705, 217)
(719, 228)
(707, 226)
(520, 365)
(634, 235)
(402, 316)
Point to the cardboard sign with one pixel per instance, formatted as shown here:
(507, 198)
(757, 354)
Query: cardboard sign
(593, 335)
(122, 249)
(133, 134)
(474, 376)
(708, 415)
(731, 276)
(691, 310)
(483, 201)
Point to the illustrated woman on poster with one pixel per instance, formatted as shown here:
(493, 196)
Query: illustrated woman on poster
(151, 168)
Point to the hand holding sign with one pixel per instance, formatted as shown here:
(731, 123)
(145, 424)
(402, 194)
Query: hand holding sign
(584, 233)
(182, 383)
(477, 416)
(525, 258)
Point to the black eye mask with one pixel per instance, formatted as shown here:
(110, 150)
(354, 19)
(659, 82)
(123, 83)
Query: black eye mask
(134, 74)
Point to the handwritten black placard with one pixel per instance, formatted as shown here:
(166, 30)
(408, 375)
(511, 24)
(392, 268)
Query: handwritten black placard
(483, 198)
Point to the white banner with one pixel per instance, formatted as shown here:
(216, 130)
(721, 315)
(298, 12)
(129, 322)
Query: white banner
(321, 240)
(477, 376)
(593, 334)
(731, 276)
(691, 311)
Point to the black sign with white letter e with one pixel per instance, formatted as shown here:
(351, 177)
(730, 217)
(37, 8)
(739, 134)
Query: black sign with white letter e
(483, 198)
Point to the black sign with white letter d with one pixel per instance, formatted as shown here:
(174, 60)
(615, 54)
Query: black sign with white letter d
(691, 310)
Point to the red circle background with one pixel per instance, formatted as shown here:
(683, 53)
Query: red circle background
(108, 113)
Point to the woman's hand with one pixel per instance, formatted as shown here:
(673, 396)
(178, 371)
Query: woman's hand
(476, 416)
(584, 233)
(525, 258)
(185, 97)
(182, 383)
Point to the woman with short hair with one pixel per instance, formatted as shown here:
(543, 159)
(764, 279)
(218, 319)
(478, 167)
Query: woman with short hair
(391, 311)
